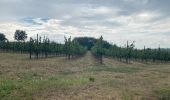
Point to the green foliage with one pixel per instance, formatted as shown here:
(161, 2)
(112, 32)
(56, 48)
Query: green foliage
(20, 35)
(89, 42)
(98, 50)
(163, 94)
(43, 48)
(91, 79)
(73, 48)
(2, 37)
(14, 46)
(128, 53)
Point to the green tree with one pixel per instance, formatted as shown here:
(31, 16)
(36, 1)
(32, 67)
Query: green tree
(2, 37)
(98, 50)
(20, 35)
(31, 47)
(68, 49)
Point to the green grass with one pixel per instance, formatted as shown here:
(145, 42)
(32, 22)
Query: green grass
(113, 69)
(7, 87)
(66, 72)
(25, 88)
(163, 94)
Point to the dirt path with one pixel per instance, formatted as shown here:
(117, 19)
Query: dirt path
(88, 59)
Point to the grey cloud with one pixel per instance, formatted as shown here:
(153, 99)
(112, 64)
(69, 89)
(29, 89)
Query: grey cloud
(89, 17)
(58, 8)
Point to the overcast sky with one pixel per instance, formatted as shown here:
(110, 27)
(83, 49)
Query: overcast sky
(147, 22)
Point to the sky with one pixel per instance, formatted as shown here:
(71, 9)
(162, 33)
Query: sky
(147, 22)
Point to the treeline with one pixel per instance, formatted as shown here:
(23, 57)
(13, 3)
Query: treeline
(45, 48)
(42, 47)
(18, 46)
(89, 42)
(21, 47)
(130, 53)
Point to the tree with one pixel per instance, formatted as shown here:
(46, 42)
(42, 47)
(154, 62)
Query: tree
(20, 35)
(89, 42)
(129, 51)
(31, 46)
(2, 37)
(97, 50)
(68, 47)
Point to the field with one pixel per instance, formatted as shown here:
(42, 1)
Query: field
(81, 79)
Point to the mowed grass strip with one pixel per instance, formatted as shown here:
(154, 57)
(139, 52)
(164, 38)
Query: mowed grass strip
(119, 69)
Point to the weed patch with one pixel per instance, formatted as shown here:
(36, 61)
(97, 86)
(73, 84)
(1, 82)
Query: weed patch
(163, 94)
(91, 79)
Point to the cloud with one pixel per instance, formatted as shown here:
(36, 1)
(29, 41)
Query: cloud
(145, 21)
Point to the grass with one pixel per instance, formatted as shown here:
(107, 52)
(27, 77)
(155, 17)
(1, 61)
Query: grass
(66, 72)
(58, 78)
(163, 94)
(111, 69)
(28, 87)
